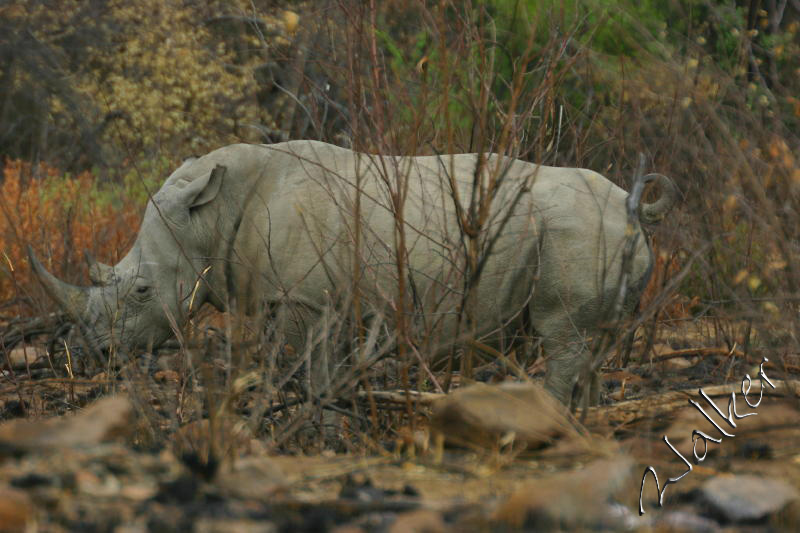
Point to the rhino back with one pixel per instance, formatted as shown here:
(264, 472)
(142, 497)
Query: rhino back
(296, 239)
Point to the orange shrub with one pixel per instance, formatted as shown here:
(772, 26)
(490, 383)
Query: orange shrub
(59, 216)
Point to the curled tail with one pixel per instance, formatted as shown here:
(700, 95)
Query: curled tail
(654, 212)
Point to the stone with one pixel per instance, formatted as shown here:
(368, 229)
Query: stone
(24, 356)
(746, 497)
(106, 419)
(16, 510)
(574, 499)
(489, 416)
(418, 521)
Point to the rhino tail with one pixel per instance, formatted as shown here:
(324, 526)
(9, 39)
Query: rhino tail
(653, 213)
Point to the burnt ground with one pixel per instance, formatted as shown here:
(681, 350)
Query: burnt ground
(152, 450)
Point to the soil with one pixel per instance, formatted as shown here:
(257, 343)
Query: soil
(120, 450)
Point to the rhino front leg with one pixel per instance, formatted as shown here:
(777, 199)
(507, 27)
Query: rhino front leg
(303, 327)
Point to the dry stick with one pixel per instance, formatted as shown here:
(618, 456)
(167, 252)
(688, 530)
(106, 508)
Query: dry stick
(397, 196)
(700, 352)
(629, 411)
(498, 355)
(14, 376)
(605, 341)
(400, 397)
(20, 330)
(64, 381)
(653, 326)
(734, 353)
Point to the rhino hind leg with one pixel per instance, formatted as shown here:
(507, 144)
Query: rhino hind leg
(567, 333)
(567, 324)
(567, 351)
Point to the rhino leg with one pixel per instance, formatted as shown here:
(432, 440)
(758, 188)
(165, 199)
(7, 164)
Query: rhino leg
(567, 352)
(302, 326)
(306, 330)
(567, 320)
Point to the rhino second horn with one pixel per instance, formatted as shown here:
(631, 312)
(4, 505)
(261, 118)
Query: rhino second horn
(100, 273)
(70, 298)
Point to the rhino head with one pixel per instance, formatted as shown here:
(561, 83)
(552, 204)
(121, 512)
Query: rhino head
(156, 285)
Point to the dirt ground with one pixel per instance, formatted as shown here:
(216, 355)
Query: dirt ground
(103, 453)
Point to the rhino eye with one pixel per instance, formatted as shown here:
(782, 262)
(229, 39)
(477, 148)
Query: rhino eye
(142, 290)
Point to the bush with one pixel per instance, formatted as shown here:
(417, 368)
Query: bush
(60, 216)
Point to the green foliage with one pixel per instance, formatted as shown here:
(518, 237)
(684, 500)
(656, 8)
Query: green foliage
(140, 183)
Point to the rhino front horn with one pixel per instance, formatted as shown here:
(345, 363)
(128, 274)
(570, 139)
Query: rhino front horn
(70, 298)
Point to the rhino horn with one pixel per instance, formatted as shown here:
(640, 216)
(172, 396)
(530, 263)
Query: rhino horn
(99, 273)
(71, 298)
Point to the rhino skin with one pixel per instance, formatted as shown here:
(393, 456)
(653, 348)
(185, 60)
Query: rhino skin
(274, 225)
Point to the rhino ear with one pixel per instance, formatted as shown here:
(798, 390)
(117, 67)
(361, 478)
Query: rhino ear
(200, 190)
(99, 273)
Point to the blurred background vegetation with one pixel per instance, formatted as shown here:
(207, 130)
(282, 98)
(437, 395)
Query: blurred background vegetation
(100, 99)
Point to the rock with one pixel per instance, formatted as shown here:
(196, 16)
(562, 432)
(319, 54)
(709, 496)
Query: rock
(747, 497)
(23, 357)
(89, 483)
(569, 500)
(770, 415)
(254, 478)
(419, 521)
(16, 510)
(232, 525)
(204, 447)
(358, 486)
(167, 376)
(106, 419)
(138, 527)
(348, 528)
(139, 492)
(488, 416)
(685, 522)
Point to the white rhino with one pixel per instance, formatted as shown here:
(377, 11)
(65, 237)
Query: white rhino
(275, 225)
